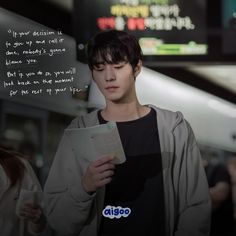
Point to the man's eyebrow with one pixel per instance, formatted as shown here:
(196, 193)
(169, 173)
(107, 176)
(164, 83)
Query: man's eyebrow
(99, 63)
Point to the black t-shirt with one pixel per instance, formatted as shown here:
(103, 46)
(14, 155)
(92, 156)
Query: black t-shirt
(138, 183)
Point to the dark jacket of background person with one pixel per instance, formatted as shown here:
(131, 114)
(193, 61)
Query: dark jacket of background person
(222, 223)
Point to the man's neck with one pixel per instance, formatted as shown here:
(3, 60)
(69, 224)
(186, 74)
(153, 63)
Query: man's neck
(124, 111)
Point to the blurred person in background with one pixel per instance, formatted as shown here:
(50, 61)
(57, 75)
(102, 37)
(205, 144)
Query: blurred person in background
(16, 174)
(231, 165)
(222, 223)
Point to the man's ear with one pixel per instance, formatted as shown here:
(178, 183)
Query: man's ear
(137, 69)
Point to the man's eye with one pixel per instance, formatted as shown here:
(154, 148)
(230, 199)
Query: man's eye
(99, 69)
(119, 66)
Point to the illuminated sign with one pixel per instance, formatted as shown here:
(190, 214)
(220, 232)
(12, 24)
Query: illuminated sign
(229, 25)
(162, 27)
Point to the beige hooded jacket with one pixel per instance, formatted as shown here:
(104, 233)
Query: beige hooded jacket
(72, 211)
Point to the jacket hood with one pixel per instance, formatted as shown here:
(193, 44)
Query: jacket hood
(168, 118)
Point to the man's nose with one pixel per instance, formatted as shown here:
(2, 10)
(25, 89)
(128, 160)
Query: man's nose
(110, 74)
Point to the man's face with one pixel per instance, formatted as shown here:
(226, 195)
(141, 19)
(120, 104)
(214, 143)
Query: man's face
(115, 81)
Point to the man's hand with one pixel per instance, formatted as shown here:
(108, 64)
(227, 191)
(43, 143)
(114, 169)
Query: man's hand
(98, 174)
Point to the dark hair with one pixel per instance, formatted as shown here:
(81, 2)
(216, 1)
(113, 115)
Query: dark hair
(12, 165)
(112, 47)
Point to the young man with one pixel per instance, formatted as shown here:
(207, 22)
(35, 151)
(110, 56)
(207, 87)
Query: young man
(161, 188)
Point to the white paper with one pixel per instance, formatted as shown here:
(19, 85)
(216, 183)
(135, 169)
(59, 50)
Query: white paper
(95, 142)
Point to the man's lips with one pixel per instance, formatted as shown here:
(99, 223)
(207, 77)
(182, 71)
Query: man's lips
(111, 88)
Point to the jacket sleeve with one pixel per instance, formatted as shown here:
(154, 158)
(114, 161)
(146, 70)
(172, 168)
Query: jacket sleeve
(193, 201)
(4, 182)
(30, 182)
(67, 204)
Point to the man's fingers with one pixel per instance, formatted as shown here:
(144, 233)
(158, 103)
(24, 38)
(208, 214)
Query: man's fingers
(103, 160)
(98, 173)
(101, 165)
(107, 166)
(106, 174)
(104, 181)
